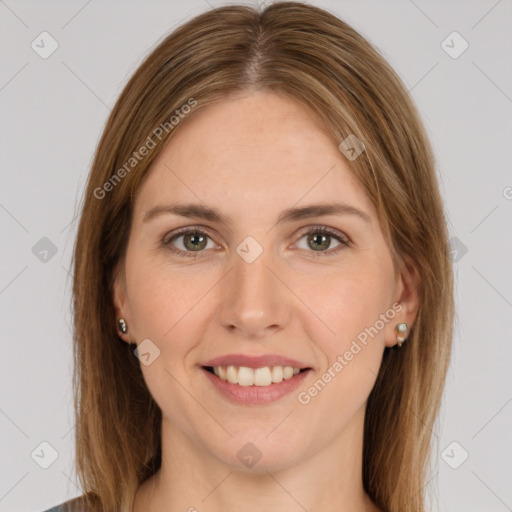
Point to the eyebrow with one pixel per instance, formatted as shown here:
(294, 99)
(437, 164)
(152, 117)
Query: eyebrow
(291, 214)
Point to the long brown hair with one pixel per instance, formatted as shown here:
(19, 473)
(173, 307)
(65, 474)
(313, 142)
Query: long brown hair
(310, 55)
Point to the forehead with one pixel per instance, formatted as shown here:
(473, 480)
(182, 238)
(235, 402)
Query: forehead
(252, 151)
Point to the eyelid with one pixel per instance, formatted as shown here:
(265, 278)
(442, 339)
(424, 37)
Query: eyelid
(331, 231)
(181, 231)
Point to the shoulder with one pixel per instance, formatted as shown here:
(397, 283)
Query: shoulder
(74, 505)
(57, 508)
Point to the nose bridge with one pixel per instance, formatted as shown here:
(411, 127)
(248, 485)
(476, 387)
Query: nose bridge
(253, 277)
(253, 299)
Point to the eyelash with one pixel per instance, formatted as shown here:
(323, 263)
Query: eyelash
(319, 230)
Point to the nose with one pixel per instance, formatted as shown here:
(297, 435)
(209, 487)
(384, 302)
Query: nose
(255, 301)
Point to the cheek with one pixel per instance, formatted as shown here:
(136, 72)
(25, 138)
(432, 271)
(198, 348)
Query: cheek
(166, 307)
(345, 304)
(350, 346)
(162, 302)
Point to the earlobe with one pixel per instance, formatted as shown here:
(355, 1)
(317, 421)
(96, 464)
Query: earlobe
(119, 300)
(121, 323)
(408, 288)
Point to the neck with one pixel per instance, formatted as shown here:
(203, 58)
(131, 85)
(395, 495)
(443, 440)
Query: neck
(192, 479)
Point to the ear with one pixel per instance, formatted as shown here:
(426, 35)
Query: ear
(120, 300)
(407, 296)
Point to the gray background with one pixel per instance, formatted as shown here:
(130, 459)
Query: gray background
(53, 112)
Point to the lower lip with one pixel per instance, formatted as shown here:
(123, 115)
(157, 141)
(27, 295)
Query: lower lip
(256, 395)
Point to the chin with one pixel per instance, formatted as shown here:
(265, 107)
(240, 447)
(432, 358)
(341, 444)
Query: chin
(261, 452)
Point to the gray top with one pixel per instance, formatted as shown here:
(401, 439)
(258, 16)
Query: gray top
(73, 505)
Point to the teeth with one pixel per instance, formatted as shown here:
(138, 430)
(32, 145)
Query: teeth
(221, 372)
(287, 372)
(245, 376)
(232, 375)
(277, 374)
(262, 376)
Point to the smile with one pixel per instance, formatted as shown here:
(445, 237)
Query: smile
(252, 386)
(245, 376)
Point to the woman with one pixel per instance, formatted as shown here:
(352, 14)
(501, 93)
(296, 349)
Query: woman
(263, 298)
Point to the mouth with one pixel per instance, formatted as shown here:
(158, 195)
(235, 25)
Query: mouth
(243, 385)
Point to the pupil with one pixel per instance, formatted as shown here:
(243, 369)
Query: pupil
(323, 240)
(195, 239)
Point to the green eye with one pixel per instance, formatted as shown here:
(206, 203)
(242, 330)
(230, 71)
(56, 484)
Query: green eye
(194, 241)
(319, 240)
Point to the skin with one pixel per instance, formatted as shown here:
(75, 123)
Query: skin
(251, 157)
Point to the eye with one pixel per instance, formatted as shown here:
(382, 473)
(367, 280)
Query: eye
(319, 238)
(193, 242)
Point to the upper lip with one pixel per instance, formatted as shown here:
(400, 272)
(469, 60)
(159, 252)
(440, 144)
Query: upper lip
(255, 361)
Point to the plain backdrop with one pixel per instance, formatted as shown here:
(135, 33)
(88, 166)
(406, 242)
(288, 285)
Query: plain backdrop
(53, 112)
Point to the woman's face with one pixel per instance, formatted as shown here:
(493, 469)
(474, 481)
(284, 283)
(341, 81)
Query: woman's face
(250, 288)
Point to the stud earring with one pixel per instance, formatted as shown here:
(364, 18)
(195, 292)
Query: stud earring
(122, 325)
(401, 333)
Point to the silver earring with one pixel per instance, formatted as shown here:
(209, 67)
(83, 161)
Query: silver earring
(401, 333)
(122, 325)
